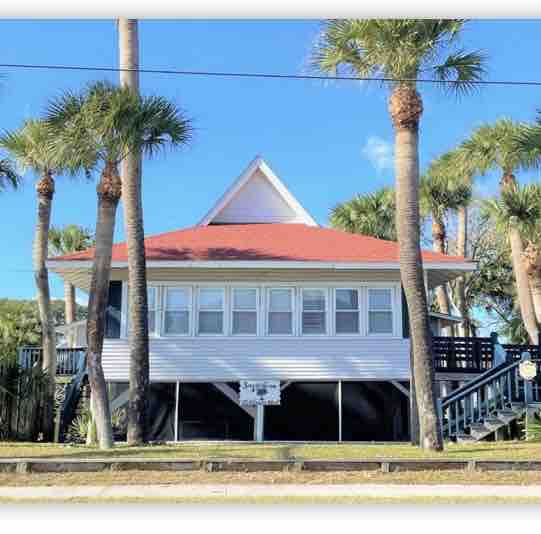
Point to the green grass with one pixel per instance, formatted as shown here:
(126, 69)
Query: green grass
(508, 450)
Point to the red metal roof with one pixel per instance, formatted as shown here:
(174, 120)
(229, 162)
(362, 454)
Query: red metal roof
(265, 242)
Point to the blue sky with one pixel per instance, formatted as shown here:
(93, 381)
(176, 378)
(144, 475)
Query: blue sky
(327, 141)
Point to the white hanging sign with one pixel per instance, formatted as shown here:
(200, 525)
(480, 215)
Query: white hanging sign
(527, 370)
(259, 392)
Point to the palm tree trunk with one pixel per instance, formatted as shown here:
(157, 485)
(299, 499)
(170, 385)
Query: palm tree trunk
(109, 191)
(405, 107)
(438, 238)
(523, 289)
(414, 410)
(45, 190)
(531, 259)
(461, 250)
(535, 287)
(135, 235)
(69, 303)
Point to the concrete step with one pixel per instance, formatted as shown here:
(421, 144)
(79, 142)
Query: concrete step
(508, 415)
(493, 422)
(465, 438)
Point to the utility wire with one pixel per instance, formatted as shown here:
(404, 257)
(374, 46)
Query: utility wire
(225, 74)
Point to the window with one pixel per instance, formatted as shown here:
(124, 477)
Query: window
(152, 299)
(177, 311)
(280, 311)
(380, 311)
(314, 305)
(211, 311)
(347, 311)
(244, 311)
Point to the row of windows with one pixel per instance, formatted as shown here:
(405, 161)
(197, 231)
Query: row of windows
(175, 310)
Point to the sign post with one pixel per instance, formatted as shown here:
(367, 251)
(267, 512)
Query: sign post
(527, 370)
(259, 394)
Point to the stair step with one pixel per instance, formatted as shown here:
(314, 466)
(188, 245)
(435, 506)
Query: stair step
(480, 434)
(508, 415)
(493, 422)
(465, 438)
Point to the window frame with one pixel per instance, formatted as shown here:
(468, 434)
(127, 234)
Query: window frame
(223, 310)
(165, 289)
(268, 311)
(392, 311)
(325, 291)
(232, 310)
(157, 324)
(359, 310)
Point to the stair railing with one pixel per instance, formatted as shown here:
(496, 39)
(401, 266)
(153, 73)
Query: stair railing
(494, 390)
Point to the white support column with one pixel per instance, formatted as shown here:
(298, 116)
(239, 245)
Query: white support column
(259, 423)
(177, 400)
(340, 410)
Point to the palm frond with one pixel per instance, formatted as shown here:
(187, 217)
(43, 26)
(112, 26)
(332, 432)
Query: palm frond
(460, 71)
(498, 146)
(105, 123)
(370, 214)
(8, 176)
(33, 148)
(71, 238)
(399, 49)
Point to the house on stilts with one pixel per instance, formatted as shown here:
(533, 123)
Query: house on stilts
(258, 291)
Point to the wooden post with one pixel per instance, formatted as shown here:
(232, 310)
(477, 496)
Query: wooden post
(494, 340)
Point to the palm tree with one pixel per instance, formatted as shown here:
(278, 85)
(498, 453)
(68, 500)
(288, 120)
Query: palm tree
(32, 147)
(135, 236)
(401, 51)
(8, 175)
(99, 128)
(496, 147)
(528, 141)
(514, 211)
(371, 214)
(71, 238)
(442, 190)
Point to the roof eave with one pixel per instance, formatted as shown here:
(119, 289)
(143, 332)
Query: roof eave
(60, 265)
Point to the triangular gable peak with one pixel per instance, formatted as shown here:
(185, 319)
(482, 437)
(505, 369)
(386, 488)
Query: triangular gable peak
(257, 196)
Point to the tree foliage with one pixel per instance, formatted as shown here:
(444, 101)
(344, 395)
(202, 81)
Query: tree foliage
(399, 49)
(20, 325)
(371, 214)
(70, 238)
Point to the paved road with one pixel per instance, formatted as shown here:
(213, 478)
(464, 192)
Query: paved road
(277, 490)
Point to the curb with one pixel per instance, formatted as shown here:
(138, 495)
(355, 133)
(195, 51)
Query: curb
(50, 465)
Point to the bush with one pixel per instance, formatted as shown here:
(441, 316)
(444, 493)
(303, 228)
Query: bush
(22, 394)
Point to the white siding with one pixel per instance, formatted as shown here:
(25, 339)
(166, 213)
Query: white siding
(231, 359)
(257, 201)
(297, 357)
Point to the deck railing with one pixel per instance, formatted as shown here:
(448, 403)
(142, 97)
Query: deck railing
(492, 394)
(69, 360)
(472, 354)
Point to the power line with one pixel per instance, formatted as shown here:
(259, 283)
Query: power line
(262, 75)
